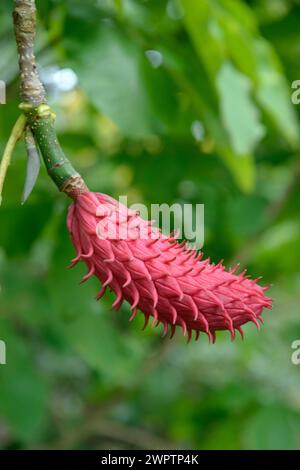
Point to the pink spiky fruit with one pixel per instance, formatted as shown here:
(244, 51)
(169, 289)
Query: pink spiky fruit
(158, 276)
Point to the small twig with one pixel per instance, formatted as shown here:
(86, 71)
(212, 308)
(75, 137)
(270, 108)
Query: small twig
(15, 135)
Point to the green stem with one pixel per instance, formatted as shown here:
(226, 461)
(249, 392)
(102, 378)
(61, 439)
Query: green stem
(39, 116)
(15, 135)
(41, 122)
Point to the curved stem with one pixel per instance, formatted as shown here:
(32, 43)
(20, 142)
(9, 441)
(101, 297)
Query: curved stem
(15, 135)
(34, 105)
(41, 122)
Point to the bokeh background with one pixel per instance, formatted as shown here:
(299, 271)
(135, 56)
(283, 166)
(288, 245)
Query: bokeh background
(164, 101)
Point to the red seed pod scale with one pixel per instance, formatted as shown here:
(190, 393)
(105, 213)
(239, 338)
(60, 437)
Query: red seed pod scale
(170, 284)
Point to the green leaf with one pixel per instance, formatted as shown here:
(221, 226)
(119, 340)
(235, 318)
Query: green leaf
(195, 83)
(227, 30)
(241, 167)
(110, 73)
(33, 165)
(273, 93)
(206, 33)
(239, 114)
(119, 6)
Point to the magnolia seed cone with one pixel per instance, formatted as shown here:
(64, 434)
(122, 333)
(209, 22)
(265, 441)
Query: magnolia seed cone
(170, 284)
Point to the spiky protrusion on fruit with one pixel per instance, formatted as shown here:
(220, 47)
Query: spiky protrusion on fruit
(163, 279)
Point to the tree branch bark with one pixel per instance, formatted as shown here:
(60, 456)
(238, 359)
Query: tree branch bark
(32, 90)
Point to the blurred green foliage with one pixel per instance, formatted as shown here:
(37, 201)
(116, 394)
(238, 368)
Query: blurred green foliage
(176, 101)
